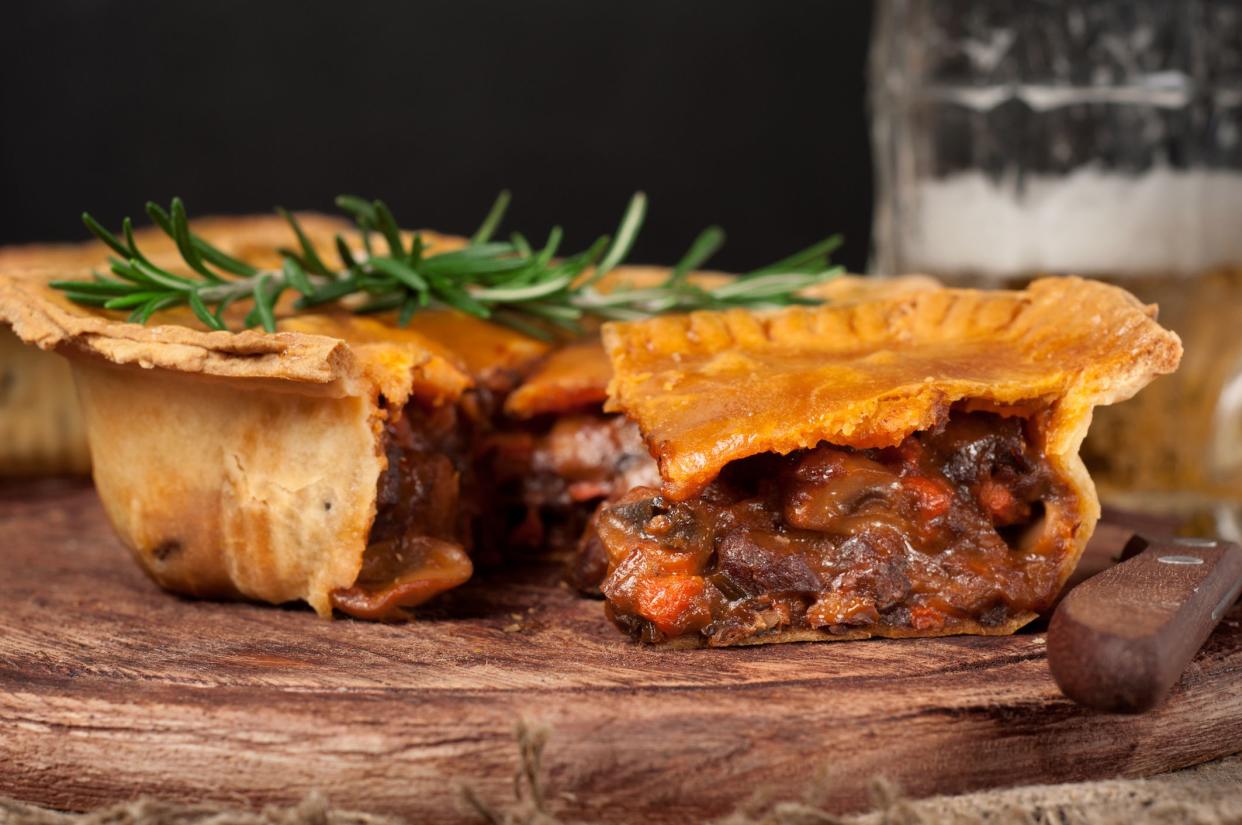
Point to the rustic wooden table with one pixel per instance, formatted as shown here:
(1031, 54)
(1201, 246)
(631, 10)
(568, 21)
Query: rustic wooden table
(110, 688)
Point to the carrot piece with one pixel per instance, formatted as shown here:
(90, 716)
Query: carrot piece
(587, 490)
(674, 604)
(926, 618)
(997, 500)
(841, 609)
(934, 497)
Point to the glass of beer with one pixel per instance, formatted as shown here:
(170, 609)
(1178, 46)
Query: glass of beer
(1018, 139)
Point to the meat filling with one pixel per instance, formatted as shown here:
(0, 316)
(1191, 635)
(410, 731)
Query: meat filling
(418, 542)
(559, 475)
(964, 524)
(459, 490)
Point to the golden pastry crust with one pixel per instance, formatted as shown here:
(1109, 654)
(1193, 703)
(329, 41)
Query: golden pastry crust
(570, 378)
(577, 376)
(227, 488)
(711, 387)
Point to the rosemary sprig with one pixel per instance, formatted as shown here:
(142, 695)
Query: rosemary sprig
(508, 282)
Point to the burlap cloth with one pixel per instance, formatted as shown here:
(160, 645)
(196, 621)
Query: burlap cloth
(1210, 794)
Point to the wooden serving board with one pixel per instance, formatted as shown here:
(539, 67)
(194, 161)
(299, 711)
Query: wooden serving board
(110, 688)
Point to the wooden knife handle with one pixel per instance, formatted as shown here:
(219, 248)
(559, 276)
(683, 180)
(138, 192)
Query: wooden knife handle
(1120, 640)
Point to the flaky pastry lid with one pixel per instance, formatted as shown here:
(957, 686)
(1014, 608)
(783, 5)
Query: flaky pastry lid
(577, 376)
(709, 388)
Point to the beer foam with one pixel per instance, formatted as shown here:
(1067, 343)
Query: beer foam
(1089, 222)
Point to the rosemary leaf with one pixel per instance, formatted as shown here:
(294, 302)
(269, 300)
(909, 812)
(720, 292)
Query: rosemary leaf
(401, 272)
(161, 277)
(200, 309)
(383, 303)
(344, 253)
(494, 216)
(360, 208)
(450, 293)
(474, 251)
(576, 264)
(619, 313)
(310, 258)
(123, 269)
(132, 300)
(159, 217)
(549, 248)
(104, 235)
(408, 308)
(387, 226)
(98, 278)
(466, 266)
(553, 310)
(705, 245)
(144, 312)
(520, 244)
(329, 292)
(87, 298)
(519, 294)
(802, 259)
(509, 282)
(92, 287)
(563, 316)
(295, 276)
(263, 301)
(225, 303)
(185, 244)
(127, 227)
(222, 259)
(620, 296)
(631, 222)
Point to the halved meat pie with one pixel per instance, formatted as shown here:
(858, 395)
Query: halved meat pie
(898, 467)
(329, 462)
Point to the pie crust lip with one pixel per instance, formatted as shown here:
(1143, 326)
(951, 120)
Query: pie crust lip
(709, 388)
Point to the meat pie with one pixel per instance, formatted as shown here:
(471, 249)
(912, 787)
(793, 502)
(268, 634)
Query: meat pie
(898, 467)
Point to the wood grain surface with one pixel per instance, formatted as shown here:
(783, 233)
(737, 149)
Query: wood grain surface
(110, 688)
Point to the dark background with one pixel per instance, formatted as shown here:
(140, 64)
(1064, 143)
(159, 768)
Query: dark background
(745, 113)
